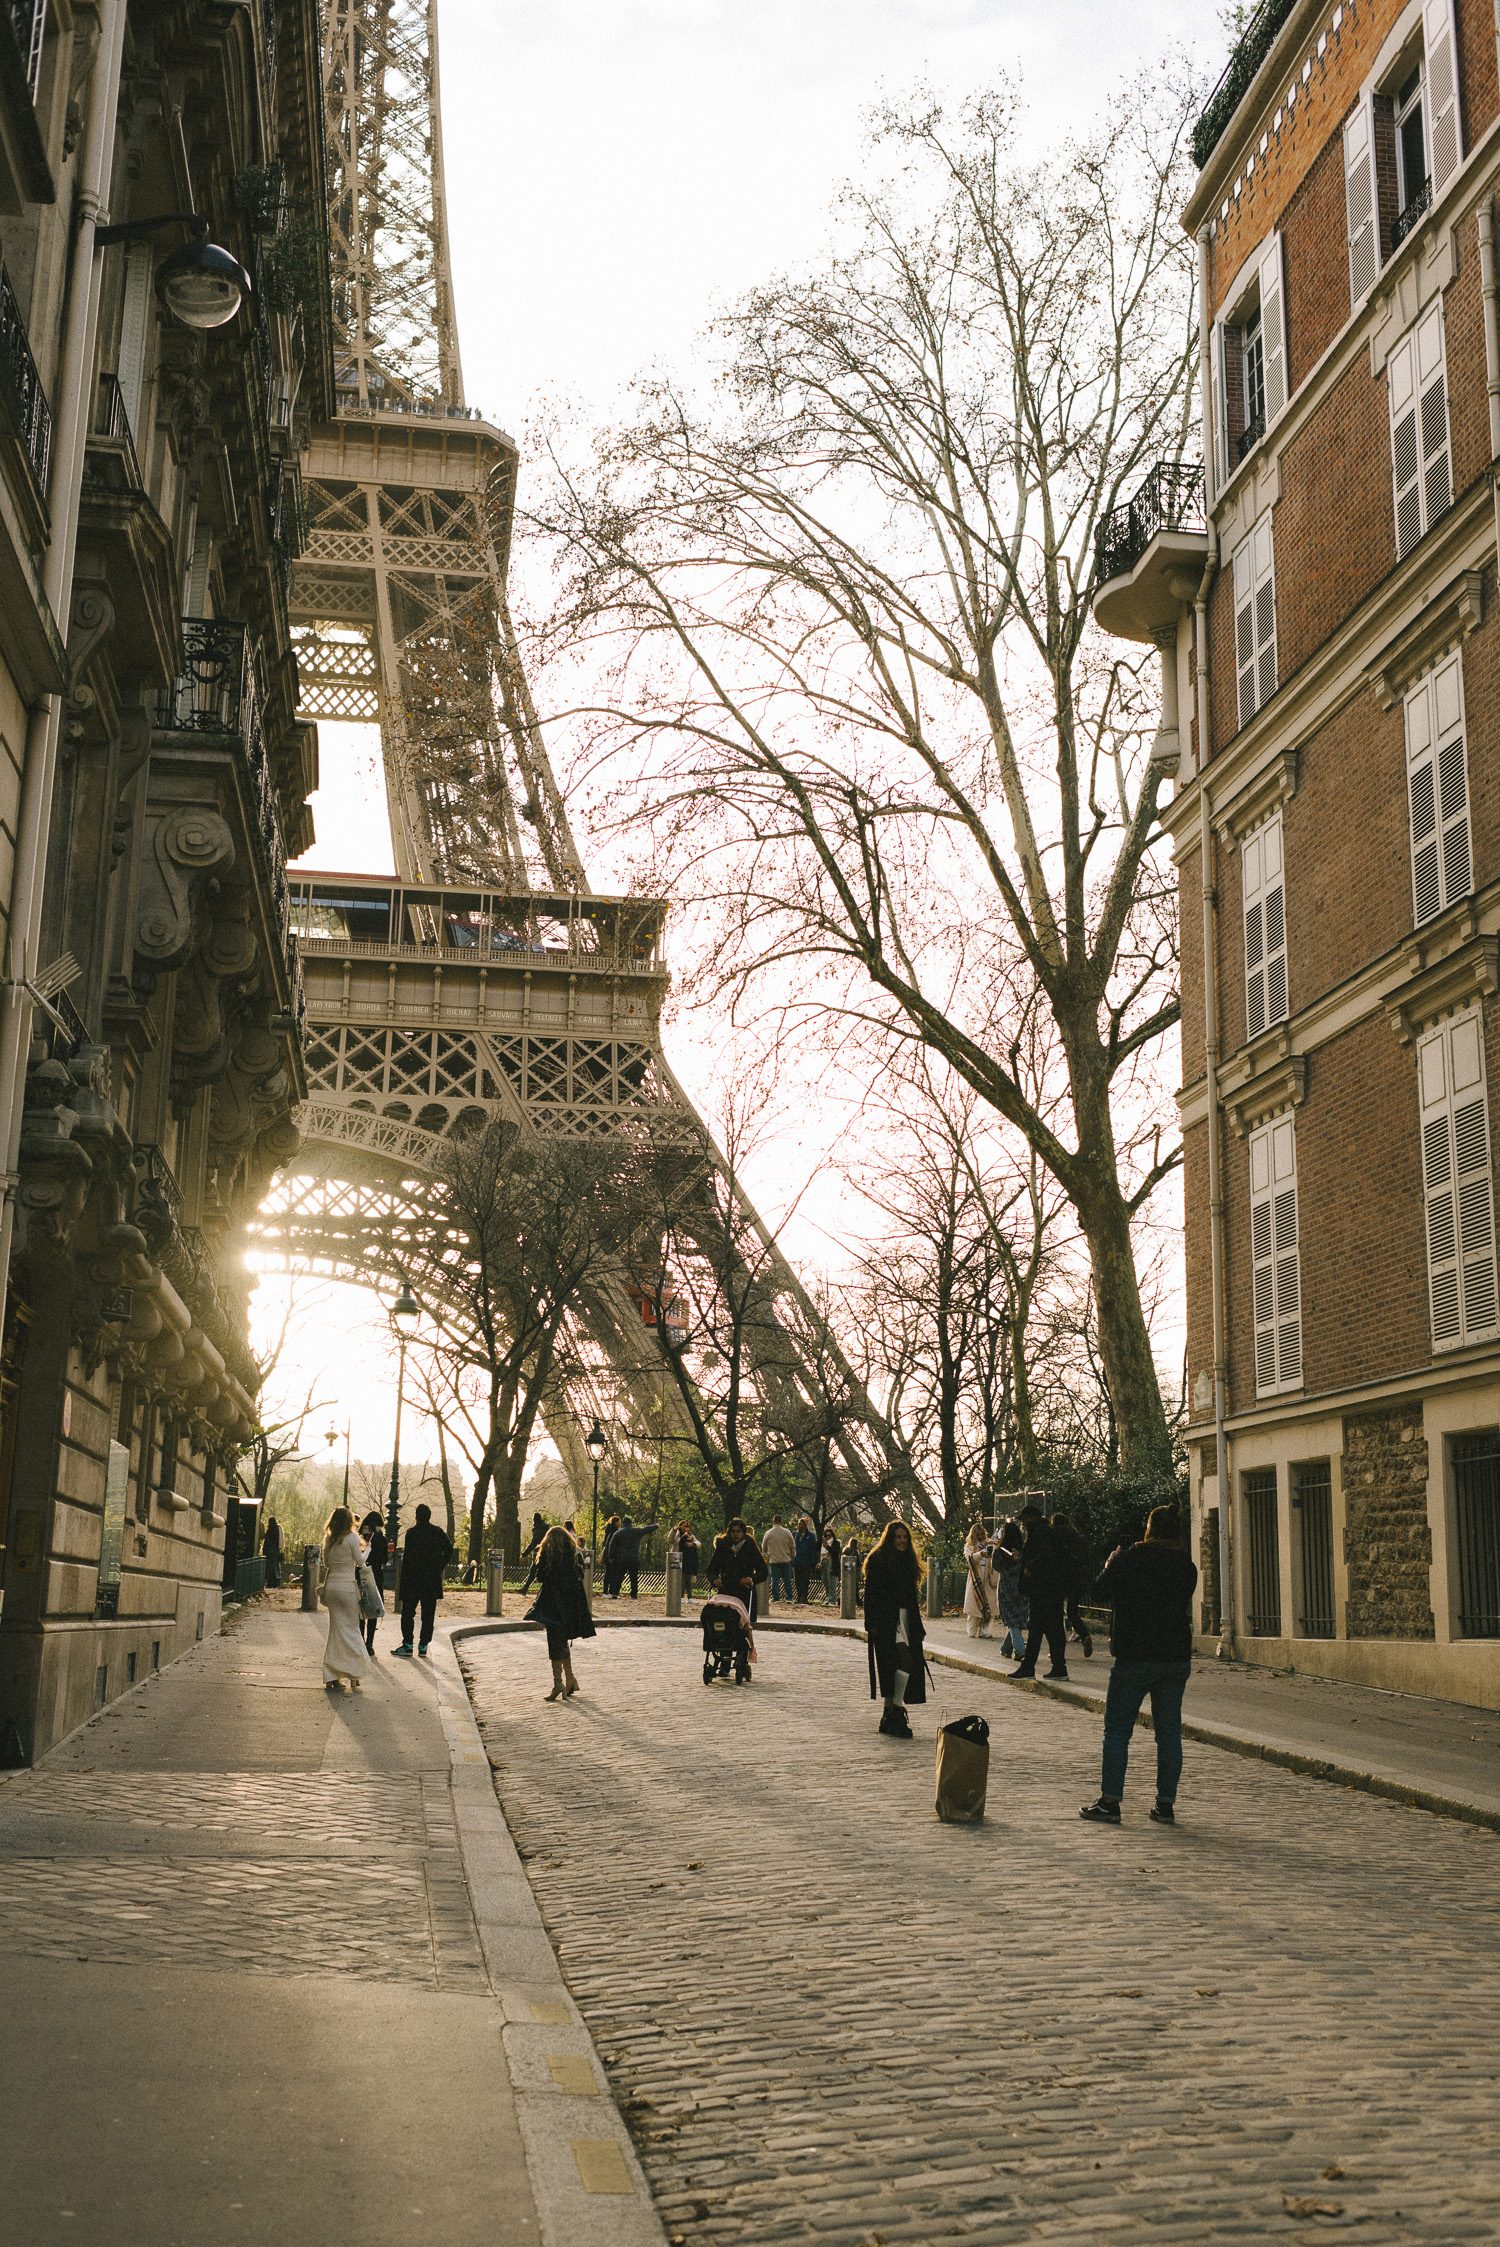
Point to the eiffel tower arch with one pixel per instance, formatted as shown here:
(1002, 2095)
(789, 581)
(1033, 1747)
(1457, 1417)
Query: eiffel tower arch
(486, 978)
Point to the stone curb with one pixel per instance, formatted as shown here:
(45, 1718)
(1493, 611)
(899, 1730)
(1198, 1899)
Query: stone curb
(589, 2187)
(1204, 1735)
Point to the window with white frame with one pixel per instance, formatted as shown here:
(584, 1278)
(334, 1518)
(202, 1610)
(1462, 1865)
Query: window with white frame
(1402, 145)
(1255, 619)
(1456, 1181)
(1418, 378)
(1264, 886)
(1437, 789)
(1248, 361)
(1275, 1272)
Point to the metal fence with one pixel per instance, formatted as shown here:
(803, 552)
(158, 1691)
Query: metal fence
(1476, 1492)
(1264, 1617)
(1171, 499)
(249, 1577)
(1312, 1503)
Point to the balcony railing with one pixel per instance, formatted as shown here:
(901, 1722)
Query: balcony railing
(215, 693)
(28, 20)
(1249, 437)
(111, 448)
(21, 394)
(1171, 499)
(1251, 49)
(1417, 205)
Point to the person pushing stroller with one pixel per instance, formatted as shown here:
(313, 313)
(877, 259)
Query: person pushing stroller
(735, 1567)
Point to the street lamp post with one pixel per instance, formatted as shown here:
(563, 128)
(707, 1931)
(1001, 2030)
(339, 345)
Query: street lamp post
(333, 1445)
(405, 1311)
(596, 1443)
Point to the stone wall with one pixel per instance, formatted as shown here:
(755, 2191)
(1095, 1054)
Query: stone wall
(1387, 1536)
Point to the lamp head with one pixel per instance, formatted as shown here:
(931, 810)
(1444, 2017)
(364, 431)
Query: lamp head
(202, 285)
(331, 1439)
(596, 1443)
(406, 1310)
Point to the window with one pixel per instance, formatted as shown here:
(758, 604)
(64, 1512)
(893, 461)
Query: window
(1255, 619)
(1249, 362)
(1476, 1496)
(1402, 145)
(1275, 1274)
(1312, 1507)
(1437, 787)
(1417, 374)
(1263, 1608)
(1265, 927)
(1456, 1181)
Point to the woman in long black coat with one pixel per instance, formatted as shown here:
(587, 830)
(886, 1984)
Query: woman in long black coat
(893, 1626)
(562, 1604)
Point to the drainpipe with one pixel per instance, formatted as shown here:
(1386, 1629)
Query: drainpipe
(1491, 340)
(1211, 979)
(72, 393)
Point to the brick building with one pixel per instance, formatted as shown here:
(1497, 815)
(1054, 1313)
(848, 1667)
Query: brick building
(1331, 703)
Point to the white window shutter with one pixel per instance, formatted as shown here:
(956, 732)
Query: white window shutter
(1255, 938)
(1456, 1181)
(1359, 204)
(1244, 628)
(1442, 91)
(135, 305)
(1264, 887)
(1432, 415)
(1452, 778)
(1265, 611)
(1406, 464)
(1219, 406)
(1273, 327)
(1275, 1257)
(1421, 796)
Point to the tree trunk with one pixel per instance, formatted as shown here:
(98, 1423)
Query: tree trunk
(1145, 1446)
(447, 1482)
(509, 1469)
(477, 1504)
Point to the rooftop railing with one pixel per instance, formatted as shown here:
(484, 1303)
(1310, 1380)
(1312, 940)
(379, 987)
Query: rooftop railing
(1254, 44)
(1171, 499)
(21, 392)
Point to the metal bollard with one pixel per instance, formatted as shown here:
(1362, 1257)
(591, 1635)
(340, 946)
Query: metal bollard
(674, 1583)
(763, 1600)
(588, 1578)
(848, 1588)
(934, 1589)
(309, 1579)
(494, 1592)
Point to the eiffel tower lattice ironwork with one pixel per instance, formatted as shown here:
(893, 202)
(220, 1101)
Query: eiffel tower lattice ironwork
(485, 978)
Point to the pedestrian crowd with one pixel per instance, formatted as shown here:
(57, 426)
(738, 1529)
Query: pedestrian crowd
(1025, 1585)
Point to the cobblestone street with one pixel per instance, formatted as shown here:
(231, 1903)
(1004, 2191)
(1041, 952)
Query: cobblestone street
(827, 2016)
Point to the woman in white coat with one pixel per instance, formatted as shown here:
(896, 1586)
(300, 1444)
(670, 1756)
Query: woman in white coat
(980, 1585)
(344, 1655)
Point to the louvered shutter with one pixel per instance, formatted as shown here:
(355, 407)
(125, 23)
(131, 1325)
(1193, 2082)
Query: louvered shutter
(1437, 785)
(1244, 628)
(1417, 375)
(1255, 619)
(1219, 406)
(1421, 796)
(1456, 1181)
(1273, 327)
(135, 304)
(1275, 1263)
(1359, 203)
(1442, 90)
(1265, 927)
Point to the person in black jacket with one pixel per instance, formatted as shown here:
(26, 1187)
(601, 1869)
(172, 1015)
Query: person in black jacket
(736, 1564)
(1080, 1576)
(562, 1604)
(1044, 1580)
(893, 1626)
(425, 1553)
(1150, 1589)
(378, 1552)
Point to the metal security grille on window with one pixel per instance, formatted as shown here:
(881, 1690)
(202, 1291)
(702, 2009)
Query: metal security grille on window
(1312, 1507)
(1263, 1619)
(1456, 1180)
(1438, 790)
(1476, 1501)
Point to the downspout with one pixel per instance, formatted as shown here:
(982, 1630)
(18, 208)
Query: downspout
(73, 394)
(1210, 974)
(1491, 343)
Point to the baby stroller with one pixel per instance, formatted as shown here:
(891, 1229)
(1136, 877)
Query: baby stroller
(726, 1641)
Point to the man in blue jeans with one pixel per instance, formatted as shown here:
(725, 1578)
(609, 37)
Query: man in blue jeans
(1150, 1589)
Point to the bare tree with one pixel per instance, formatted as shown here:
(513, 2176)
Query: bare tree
(839, 620)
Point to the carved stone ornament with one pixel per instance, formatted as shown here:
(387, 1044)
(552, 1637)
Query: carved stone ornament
(92, 621)
(189, 845)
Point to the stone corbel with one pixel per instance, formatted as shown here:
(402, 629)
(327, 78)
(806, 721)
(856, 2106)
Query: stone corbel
(54, 1169)
(189, 846)
(1439, 986)
(1274, 784)
(1443, 624)
(1273, 1078)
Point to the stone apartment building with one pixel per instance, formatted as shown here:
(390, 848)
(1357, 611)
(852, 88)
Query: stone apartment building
(164, 339)
(1331, 665)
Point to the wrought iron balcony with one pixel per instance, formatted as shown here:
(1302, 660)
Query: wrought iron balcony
(23, 402)
(1249, 437)
(1251, 49)
(1417, 206)
(111, 461)
(215, 693)
(1171, 499)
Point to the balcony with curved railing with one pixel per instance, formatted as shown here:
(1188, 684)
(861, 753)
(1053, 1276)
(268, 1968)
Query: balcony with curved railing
(1145, 550)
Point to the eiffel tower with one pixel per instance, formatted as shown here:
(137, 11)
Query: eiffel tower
(487, 977)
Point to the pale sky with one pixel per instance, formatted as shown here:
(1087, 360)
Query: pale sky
(616, 170)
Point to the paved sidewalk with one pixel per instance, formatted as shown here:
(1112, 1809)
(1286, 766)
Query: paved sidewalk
(270, 1976)
(831, 2019)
